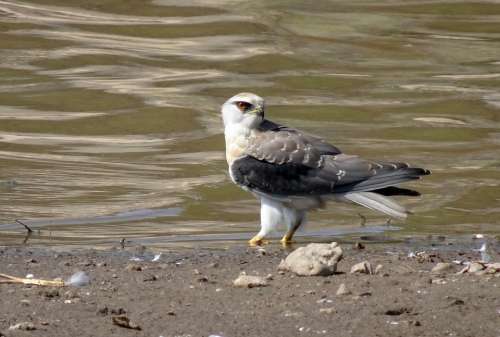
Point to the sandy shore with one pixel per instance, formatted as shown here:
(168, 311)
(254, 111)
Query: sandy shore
(190, 293)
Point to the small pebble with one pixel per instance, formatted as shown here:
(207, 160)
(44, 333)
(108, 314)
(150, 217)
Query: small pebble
(133, 267)
(457, 301)
(248, 281)
(438, 281)
(103, 311)
(49, 293)
(150, 278)
(474, 267)
(324, 300)
(328, 311)
(342, 291)
(441, 267)
(289, 313)
(124, 322)
(28, 326)
(363, 268)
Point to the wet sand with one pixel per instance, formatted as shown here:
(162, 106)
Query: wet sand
(190, 293)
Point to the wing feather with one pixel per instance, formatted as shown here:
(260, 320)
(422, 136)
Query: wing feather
(279, 144)
(285, 161)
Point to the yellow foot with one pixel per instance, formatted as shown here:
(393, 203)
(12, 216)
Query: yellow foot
(285, 241)
(257, 241)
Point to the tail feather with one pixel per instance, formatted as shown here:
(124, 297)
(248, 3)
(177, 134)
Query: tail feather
(394, 190)
(377, 202)
(383, 180)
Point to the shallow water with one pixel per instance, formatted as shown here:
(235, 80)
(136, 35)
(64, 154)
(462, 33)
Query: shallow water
(110, 126)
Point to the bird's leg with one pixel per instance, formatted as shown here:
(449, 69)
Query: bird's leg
(287, 238)
(270, 217)
(295, 219)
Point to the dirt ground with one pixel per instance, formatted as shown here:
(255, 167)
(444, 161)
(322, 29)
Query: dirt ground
(190, 293)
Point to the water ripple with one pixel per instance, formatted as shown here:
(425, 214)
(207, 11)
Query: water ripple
(213, 48)
(110, 123)
(33, 13)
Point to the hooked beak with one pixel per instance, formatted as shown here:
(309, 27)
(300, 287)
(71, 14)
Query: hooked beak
(258, 110)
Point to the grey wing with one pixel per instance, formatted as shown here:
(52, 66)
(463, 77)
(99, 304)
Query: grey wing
(283, 161)
(318, 143)
(278, 144)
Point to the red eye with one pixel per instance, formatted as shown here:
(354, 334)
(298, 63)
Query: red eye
(243, 106)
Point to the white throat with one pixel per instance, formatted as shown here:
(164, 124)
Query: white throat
(237, 139)
(236, 134)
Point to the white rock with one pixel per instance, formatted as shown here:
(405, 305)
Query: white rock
(493, 267)
(474, 267)
(248, 281)
(342, 291)
(441, 267)
(480, 268)
(324, 300)
(313, 259)
(438, 281)
(23, 326)
(363, 267)
(328, 311)
(289, 313)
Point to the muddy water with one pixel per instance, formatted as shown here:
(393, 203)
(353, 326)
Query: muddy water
(109, 122)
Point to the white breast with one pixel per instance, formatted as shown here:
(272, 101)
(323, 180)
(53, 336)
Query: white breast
(236, 141)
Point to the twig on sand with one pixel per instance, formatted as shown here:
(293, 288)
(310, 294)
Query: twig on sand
(24, 225)
(4, 278)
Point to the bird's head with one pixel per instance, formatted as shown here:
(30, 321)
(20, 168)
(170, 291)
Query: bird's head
(245, 109)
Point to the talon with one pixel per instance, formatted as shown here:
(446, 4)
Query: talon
(257, 241)
(285, 242)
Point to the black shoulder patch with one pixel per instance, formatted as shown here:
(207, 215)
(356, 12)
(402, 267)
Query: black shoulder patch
(284, 179)
(294, 178)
